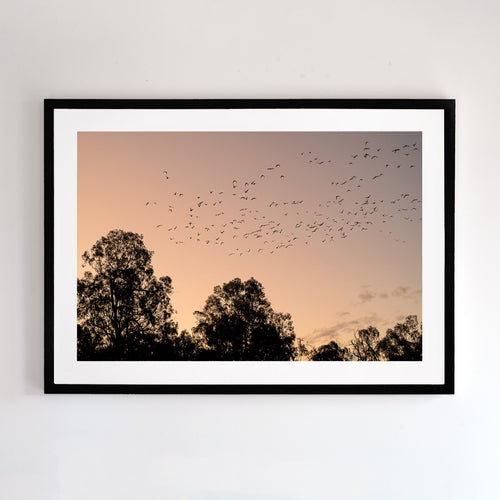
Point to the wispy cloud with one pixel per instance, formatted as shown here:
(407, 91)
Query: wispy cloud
(334, 332)
(402, 292)
(372, 319)
(406, 292)
(366, 296)
(343, 332)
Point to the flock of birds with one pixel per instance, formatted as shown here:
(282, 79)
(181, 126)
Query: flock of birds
(239, 218)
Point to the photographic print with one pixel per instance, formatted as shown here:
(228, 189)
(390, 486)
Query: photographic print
(250, 246)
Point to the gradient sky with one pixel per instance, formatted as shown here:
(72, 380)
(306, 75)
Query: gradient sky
(340, 253)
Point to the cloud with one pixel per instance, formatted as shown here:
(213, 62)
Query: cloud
(372, 319)
(366, 296)
(400, 291)
(335, 332)
(405, 292)
(343, 332)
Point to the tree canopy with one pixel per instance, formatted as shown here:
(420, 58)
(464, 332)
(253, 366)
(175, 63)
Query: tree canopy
(124, 311)
(238, 323)
(403, 342)
(365, 344)
(330, 352)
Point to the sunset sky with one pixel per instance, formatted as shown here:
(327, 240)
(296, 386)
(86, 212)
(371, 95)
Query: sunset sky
(333, 246)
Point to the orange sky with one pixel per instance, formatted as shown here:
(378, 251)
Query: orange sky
(336, 252)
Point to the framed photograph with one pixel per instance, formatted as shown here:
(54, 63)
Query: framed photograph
(249, 246)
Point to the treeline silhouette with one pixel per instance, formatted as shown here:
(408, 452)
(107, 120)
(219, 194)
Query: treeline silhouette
(125, 314)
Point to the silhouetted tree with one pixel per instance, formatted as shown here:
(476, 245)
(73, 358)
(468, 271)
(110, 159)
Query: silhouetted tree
(124, 311)
(365, 344)
(403, 342)
(330, 352)
(237, 323)
(177, 346)
(86, 347)
(303, 350)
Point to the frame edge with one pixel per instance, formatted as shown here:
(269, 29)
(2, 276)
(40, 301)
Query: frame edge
(449, 108)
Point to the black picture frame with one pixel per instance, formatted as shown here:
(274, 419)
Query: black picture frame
(448, 108)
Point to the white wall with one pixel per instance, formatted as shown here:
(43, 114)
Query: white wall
(249, 447)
